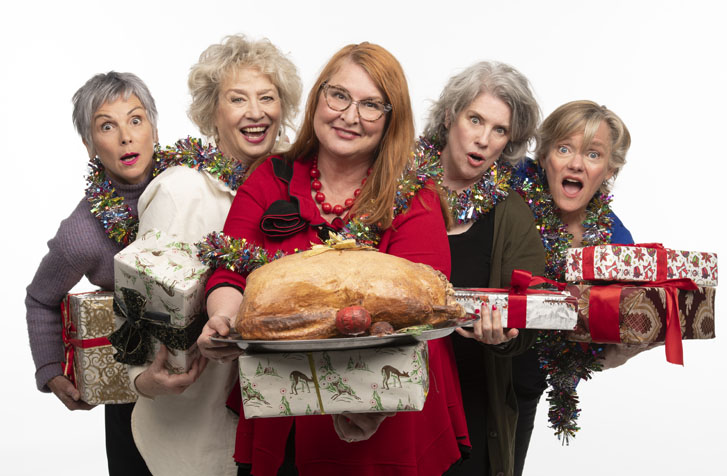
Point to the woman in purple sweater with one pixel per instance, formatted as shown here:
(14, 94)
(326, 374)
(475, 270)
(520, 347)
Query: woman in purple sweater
(116, 117)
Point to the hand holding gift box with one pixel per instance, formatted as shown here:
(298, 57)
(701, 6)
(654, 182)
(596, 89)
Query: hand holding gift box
(88, 318)
(521, 307)
(159, 299)
(641, 262)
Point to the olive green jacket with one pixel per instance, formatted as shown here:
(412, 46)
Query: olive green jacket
(516, 245)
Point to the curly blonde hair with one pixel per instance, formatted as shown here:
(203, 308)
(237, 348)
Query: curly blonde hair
(235, 52)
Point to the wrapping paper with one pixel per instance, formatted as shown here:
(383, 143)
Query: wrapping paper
(642, 314)
(98, 377)
(358, 381)
(647, 262)
(171, 279)
(552, 310)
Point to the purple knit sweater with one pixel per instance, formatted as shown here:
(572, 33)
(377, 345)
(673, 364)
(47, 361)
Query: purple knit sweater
(80, 248)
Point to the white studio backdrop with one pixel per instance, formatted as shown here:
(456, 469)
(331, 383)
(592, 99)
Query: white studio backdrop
(660, 65)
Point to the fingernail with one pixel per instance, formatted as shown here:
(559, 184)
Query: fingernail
(494, 307)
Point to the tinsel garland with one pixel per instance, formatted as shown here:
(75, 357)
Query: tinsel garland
(192, 153)
(477, 200)
(116, 217)
(218, 250)
(419, 170)
(565, 362)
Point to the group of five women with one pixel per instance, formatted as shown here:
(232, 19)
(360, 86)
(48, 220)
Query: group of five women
(489, 211)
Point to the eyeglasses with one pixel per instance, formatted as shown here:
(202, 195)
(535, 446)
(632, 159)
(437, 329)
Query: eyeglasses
(339, 100)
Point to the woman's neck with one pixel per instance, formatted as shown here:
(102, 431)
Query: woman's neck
(342, 175)
(574, 225)
(245, 160)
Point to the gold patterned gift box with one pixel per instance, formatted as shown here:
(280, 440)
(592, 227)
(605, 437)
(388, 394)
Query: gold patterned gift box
(358, 381)
(90, 363)
(626, 314)
(159, 284)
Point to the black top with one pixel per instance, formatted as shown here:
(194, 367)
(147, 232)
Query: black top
(471, 254)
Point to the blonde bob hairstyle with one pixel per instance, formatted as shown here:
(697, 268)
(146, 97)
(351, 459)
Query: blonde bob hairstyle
(585, 117)
(500, 80)
(374, 204)
(235, 52)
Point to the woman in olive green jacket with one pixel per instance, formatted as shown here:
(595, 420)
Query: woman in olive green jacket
(484, 119)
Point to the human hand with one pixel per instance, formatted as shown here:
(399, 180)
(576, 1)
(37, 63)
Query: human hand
(219, 351)
(67, 393)
(488, 328)
(352, 427)
(156, 380)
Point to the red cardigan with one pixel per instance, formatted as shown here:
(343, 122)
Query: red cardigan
(408, 444)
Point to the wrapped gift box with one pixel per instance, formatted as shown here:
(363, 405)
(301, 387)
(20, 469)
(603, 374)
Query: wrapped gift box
(639, 263)
(358, 381)
(642, 313)
(551, 310)
(167, 279)
(89, 320)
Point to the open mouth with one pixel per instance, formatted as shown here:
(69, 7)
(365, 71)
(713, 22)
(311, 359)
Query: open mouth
(475, 160)
(572, 187)
(254, 133)
(129, 159)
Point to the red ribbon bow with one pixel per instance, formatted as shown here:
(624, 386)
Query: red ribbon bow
(517, 295)
(604, 303)
(661, 260)
(70, 343)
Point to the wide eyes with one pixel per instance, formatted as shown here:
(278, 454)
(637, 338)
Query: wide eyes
(593, 155)
(475, 120)
(563, 150)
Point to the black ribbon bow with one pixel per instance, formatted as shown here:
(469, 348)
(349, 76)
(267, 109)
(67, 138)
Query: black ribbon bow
(132, 340)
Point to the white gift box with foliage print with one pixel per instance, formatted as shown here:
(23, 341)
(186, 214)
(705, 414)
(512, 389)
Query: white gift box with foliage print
(171, 278)
(358, 381)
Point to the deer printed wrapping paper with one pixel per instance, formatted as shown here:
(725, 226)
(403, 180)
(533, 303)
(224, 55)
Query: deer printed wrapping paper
(89, 319)
(165, 280)
(645, 262)
(359, 381)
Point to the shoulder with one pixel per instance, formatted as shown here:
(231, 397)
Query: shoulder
(181, 177)
(80, 236)
(619, 233)
(514, 207)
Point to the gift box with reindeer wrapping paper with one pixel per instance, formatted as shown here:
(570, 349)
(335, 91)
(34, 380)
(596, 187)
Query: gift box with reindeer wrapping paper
(88, 319)
(642, 262)
(159, 288)
(666, 312)
(358, 381)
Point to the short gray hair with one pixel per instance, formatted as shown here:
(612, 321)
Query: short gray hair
(104, 88)
(502, 81)
(236, 51)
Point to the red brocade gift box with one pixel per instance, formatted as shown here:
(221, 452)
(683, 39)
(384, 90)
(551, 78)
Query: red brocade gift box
(666, 311)
(641, 262)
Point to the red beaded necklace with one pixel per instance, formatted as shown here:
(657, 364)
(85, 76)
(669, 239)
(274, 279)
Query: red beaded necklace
(320, 197)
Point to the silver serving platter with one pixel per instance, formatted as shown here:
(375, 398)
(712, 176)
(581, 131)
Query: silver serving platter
(338, 343)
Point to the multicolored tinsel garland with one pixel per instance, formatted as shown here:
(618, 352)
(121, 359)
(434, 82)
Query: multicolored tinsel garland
(116, 216)
(218, 250)
(192, 153)
(109, 208)
(477, 200)
(565, 362)
(420, 170)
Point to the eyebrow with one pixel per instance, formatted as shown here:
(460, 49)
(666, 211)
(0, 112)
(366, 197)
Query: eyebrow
(377, 97)
(242, 91)
(102, 115)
